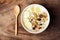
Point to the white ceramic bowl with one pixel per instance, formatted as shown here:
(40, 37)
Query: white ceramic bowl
(43, 9)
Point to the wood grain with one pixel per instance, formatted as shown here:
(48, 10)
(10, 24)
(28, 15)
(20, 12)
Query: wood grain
(7, 20)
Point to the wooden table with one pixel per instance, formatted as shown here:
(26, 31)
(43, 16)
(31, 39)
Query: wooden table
(7, 20)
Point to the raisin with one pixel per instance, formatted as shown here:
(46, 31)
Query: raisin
(40, 24)
(39, 19)
(34, 27)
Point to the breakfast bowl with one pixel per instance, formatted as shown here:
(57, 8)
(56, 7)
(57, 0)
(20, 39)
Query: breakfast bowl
(35, 18)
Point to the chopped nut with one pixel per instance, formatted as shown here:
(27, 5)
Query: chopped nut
(40, 27)
(40, 15)
(36, 29)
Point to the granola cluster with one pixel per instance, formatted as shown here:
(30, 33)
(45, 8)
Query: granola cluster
(36, 19)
